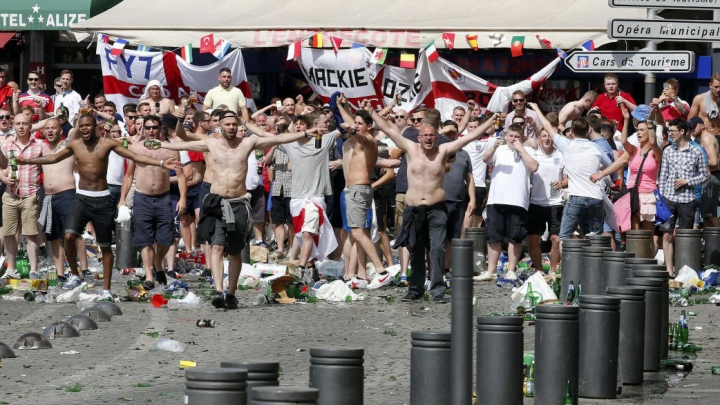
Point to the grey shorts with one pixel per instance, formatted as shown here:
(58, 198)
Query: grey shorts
(358, 200)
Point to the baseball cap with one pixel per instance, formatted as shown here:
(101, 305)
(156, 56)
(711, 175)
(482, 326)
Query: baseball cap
(694, 122)
(326, 106)
(641, 112)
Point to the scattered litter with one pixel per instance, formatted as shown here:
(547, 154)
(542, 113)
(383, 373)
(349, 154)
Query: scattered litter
(70, 352)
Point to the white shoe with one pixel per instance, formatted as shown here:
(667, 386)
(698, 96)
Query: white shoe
(510, 275)
(73, 282)
(356, 283)
(485, 276)
(106, 296)
(380, 280)
(11, 274)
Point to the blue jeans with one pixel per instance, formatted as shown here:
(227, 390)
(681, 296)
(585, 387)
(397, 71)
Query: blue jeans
(585, 211)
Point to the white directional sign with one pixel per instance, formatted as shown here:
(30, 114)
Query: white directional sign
(669, 30)
(703, 4)
(628, 61)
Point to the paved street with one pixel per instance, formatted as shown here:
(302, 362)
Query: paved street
(111, 362)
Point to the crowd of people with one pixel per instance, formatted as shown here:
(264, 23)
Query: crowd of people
(308, 181)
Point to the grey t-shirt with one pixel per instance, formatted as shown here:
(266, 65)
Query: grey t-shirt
(454, 184)
(310, 166)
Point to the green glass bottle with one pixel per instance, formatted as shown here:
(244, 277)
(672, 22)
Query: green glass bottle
(13, 165)
(570, 292)
(152, 144)
(125, 142)
(52, 278)
(529, 297)
(569, 399)
(684, 331)
(529, 387)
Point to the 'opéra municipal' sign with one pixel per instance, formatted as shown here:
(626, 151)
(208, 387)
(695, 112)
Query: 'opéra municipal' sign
(629, 61)
(669, 30)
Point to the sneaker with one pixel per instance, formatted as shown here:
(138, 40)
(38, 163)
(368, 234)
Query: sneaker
(33, 275)
(403, 281)
(73, 282)
(380, 280)
(262, 243)
(357, 283)
(174, 274)
(299, 272)
(439, 299)
(218, 300)
(511, 275)
(148, 284)
(411, 297)
(160, 277)
(106, 296)
(62, 279)
(485, 276)
(86, 272)
(273, 245)
(11, 274)
(231, 302)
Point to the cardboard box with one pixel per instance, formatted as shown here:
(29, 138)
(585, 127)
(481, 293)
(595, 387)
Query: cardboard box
(28, 285)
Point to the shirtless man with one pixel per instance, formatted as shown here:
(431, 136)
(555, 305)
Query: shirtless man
(59, 184)
(360, 154)
(575, 109)
(153, 219)
(707, 106)
(153, 95)
(92, 202)
(425, 215)
(226, 217)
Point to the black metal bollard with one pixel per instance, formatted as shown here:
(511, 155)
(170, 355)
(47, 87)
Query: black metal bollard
(687, 249)
(632, 332)
(215, 386)
(653, 320)
(430, 368)
(339, 375)
(600, 240)
(285, 396)
(659, 272)
(259, 373)
(599, 336)
(477, 235)
(639, 242)
(572, 263)
(461, 323)
(712, 246)
(592, 270)
(499, 364)
(613, 271)
(632, 261)
(556, 353)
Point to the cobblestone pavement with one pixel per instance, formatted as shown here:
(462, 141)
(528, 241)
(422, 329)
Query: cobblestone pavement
(114, 362)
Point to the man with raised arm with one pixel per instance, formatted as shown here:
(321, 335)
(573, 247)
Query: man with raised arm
(92, 199)
(425, 216)
(226, 219)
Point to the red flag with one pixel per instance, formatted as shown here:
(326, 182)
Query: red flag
(294, 51)
(516, 46)
(544, 42)
(336, 42)
(449, 39)
(207, 44)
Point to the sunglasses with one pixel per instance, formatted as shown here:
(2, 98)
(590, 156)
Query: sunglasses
(131, 117)
(416, 120)
(518, 100)
(33, 79)
(116, 132)
(402, 117)
(5, 117)
(152, 126)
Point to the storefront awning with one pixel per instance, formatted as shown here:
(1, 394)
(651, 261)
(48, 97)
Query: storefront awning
(384, 23)
(5, 37)
(48, 15)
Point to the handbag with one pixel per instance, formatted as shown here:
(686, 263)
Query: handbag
(662, 212)
(628, 203)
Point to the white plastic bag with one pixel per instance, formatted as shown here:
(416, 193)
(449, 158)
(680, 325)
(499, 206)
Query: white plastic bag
(72, 296)
(123, 217)
(336, 291)
(539, 285)
(331, 268)
(686, 274)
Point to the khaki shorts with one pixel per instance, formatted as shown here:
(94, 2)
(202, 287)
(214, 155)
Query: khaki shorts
(311, 223)
(20, 211)
(358, 200)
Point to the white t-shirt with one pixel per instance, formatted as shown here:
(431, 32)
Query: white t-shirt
(252, 180)
(71, 100)
(550, 169)
(582, 159)
(115, 170)
(510, 181)
(476, 149)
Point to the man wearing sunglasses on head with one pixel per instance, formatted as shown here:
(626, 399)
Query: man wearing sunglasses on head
(36, 98)
(519, 103)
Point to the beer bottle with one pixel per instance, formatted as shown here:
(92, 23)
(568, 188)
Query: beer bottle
(259, 156)
(125, 142)
(497, 127)
(13, 165)
(576, 300)
(318, 141)
(569, 399)
(671, 337)
(529, 297)
(684, 332)
(529, 386)
(570, 293)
